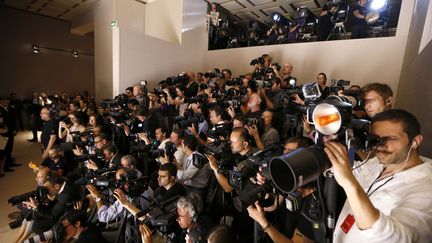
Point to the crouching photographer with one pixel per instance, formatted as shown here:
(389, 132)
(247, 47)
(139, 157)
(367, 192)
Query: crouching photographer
(49, 204)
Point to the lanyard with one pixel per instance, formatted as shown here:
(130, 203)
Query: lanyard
(370, 187)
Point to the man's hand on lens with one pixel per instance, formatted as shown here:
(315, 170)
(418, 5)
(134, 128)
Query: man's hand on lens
(31, 203)
(120, 196)
(146, 234)
(212, 162)
(253, 130)
(91, 165)
(260, 178)
(256, 212)
(78, 205)
(193, 130)
(93, 191)
(77, 151)
(338, 155)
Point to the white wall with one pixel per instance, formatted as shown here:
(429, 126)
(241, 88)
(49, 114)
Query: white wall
(105, 12)
(163, 20)
(153, 59)
(415, 86)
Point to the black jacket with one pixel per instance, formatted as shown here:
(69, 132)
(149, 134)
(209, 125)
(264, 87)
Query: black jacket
(45, 218)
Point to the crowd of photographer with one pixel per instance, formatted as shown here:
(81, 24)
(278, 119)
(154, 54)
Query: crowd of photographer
(249, 153)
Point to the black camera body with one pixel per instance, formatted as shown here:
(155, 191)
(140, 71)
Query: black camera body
(40, 194)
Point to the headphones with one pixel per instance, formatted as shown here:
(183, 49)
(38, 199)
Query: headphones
(414, 144)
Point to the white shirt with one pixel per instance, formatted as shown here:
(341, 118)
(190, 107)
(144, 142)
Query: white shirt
(404, 203)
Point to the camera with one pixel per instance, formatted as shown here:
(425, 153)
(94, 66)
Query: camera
(40, 194)
(259, 60)
(338, 85)
(220, 130)
(331, 117)
(181, 78)
(234, 82)
(231, 103)
(277, 66)
(202, 98)
(169, 150)
(250, 121)
(66, 120)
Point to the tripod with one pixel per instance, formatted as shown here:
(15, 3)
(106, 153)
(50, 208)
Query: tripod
(339, 27)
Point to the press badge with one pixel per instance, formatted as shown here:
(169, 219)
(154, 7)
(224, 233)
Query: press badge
(348, 223)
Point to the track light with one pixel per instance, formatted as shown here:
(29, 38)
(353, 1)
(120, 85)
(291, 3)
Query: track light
(378, 4)
(35, 49)
(75, 53)
(276, 17)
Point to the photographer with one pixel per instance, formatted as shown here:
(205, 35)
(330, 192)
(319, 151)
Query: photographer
(176, 137)
(111, 156)
(195, 226)
(254, 101)
(78, 230)
(160, 135)
(191, 172)
(240, 144)
(270, 135)
(63, 192)
(115, 211)
(378, 98)
(179, 103)
(388, 198)
(202, 125)
(168, 188)
(288, 220)
(359, 25)
(56, 162)
(49, 131)
(129, 162)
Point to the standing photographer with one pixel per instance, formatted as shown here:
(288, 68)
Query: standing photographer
(388, 198)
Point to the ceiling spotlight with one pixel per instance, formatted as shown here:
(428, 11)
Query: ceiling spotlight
(378, 4)
(35, 49)
(276, 16)
(75, 53)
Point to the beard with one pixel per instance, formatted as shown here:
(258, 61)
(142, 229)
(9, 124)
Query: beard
(393, 158)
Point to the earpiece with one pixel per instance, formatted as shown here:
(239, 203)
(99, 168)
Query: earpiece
(413, 144)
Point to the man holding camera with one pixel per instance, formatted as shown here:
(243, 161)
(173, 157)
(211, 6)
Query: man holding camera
(378, 98)
(388, 198)
(193, 173)
(63, 193)
(240, 144)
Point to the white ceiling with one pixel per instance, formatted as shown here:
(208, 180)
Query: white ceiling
(262, 9)
(60, 9)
